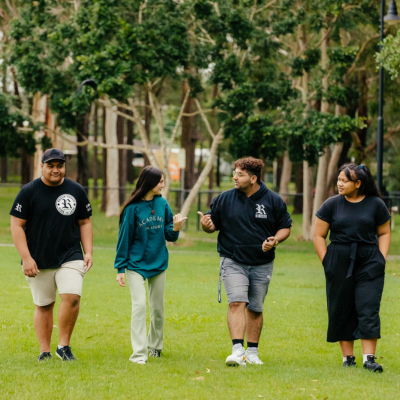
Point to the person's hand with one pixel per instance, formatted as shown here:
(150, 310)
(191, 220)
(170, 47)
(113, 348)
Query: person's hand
(269, 243)
(30, 268)
(178, 221)
(121, 279)
(206, 222)
(88, 261)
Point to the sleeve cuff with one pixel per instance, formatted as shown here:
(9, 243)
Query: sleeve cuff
(121, 270)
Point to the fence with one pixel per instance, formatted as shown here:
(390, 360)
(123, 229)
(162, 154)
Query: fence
(204, 198)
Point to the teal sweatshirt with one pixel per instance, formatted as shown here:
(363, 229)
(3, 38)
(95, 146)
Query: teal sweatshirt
(141, 243)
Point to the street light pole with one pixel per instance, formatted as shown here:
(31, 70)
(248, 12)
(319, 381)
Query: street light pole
(391, 16)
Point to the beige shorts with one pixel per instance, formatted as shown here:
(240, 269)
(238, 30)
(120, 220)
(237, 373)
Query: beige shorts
(68, 279)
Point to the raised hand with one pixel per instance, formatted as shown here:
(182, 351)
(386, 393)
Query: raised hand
(206, 222)
(178, 221)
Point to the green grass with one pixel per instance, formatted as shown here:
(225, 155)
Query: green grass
(299, 363)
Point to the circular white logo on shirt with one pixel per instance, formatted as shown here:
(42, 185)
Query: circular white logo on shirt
(66, 204)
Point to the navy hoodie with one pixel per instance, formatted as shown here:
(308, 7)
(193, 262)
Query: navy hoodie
(244, 223)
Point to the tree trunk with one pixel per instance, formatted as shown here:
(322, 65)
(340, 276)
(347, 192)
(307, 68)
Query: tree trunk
(95, 159)
(147, 124)
(83, 163)
(39, 115)
(210, 186)
(362, 111)
(277, 170)
(104, 164)
(321, 189)
(217, 172)
(112, 205)
(130, 170)
(188, 139)
(121, 157)
(3, 163)
(26, 170)
(15, 167)
(199, 164)
(308, 190)
(334, 160)
(204, 173)
(333, 168)
(285, 177)
(298, 200)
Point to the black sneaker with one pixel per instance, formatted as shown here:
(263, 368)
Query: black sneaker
(65, 354)
(350, 362)
(44, 356)
(371, 365)
(155, 353)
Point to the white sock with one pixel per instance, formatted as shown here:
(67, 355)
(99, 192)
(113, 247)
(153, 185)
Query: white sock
(59, 347)
(344, 359)
(365, 357)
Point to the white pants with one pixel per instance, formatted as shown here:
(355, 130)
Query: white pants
(156, 288)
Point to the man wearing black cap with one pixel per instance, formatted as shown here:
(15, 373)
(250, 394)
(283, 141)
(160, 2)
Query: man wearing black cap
(50, 219)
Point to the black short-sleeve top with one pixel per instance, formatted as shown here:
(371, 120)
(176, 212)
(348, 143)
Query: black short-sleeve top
(353, 222)
(52, 215)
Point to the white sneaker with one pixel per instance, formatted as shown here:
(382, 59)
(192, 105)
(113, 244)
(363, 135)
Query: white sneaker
(140, 362)
(238, 356)
(252, 356)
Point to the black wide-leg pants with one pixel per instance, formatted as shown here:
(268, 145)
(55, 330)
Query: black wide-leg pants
(354, 294)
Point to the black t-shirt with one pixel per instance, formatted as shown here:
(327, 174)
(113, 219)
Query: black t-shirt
(52, 214)
(353, 222)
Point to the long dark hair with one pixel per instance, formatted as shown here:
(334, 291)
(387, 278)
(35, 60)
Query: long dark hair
(148, 179)
(363, 174)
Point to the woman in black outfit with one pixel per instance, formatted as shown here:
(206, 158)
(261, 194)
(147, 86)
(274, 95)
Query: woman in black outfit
(354, 262)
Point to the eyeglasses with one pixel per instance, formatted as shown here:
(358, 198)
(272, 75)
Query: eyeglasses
(239, 174)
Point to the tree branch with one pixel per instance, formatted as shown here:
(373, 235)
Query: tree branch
(141, 8)
(203, 116)
(359, 54)
(210, 39)
(178, 121)
(388, 136)
(215, 4)
(11, 8)
(265, 7)
(156, 109)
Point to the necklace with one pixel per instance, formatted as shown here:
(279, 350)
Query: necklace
(151, 206)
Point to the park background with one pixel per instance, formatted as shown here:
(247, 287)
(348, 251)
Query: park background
(293, 82)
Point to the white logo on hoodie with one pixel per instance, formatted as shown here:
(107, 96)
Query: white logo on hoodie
(261, 211)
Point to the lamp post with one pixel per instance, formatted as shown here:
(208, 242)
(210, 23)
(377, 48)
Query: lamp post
(391, 16)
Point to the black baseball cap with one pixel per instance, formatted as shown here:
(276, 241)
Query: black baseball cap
(52, 154)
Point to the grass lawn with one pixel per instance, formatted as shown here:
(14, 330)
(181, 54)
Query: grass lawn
(298, 362)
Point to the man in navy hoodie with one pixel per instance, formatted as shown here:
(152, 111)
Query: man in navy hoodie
(252, 220)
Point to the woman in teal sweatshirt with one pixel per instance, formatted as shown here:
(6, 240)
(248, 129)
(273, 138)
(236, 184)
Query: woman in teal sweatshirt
(146, 222)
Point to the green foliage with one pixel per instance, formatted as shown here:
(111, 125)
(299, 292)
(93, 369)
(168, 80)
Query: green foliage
(389, 57)
(11, 139)
(55, 51)
(309, 138)
(46, 143)
(344, 96)
(309, 61)
(342, 58)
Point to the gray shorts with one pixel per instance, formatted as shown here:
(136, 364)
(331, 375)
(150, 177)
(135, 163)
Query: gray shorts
(246, 283)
